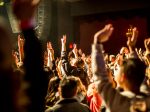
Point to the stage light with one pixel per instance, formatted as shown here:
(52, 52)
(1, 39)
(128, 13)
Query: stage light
(1, 3)
(71, 45)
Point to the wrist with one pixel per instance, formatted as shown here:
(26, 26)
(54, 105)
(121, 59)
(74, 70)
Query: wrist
(97, 41)
(76, 56)
(63, 48)
(26, 24)
(147, 52)
(131, 48)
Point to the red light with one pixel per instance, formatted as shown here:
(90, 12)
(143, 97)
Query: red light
(70, 45)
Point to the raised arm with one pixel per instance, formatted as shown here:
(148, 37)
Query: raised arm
(63, 48)
(131, 42)
(33, 60)
(20, 48)
(75, 51)
(63, 43)
(98, 64)
(50, 53)
(147, 47)
(64, 57)
(110, 95)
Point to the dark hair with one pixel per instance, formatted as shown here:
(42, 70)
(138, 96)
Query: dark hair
(79, 62)
(70, 55)
(51, 97)
(68, 87)
(134, 70)
(79, 72)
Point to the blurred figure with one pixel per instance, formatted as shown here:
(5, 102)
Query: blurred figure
(94, 98)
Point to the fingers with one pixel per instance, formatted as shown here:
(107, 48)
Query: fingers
(135, 34)
(49, 45)
(64, 37)
(35, 2)
(109, 28)
(63, 40)
(148, 42)
(19, 36)
(74, 46)
(104, 34)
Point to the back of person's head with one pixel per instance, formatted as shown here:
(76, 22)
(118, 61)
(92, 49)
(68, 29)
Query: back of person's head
(79, 63)
(134, 71)
(79, 72)
(53, 85)
(70, 55)
(52, 97)
(112, 58)
(68, 87)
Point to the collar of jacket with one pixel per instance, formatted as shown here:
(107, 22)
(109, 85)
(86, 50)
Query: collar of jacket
(67, 100)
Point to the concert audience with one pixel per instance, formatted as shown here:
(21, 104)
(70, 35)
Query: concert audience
(33, 80)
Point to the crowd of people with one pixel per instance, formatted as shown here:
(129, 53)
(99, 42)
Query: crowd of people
(34, 80)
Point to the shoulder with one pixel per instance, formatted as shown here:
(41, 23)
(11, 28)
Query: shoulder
(49, 110)
(53, 109)
(85, 106)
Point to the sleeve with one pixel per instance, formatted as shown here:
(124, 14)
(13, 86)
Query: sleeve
(65, 63)
(34, 73)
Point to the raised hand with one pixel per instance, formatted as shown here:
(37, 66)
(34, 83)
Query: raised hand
(131, 42)
(49, 46)
(80, 52)
(25, 9)
(83, 57)
(20, 41)
(59, 69)
(147, 44)
(104, 34)
(75, 51)
(20, 48)
(15, 57)
(63, 40)
(50, 51)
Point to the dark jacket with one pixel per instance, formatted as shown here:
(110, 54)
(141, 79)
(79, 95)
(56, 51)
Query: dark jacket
(34, 73)
(68, 105)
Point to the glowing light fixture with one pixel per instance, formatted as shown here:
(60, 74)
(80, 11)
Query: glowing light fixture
(1, 2)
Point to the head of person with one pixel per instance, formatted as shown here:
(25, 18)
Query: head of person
(53, 85)
(112, 58)
(51, 97)
(68, 87)
(79, 63)
(131, 74)
(124, 50)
